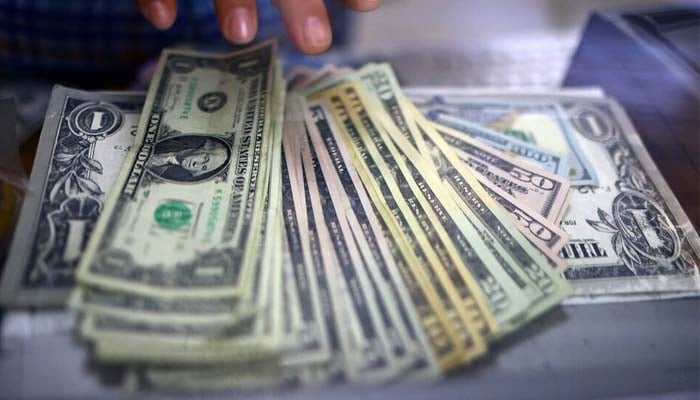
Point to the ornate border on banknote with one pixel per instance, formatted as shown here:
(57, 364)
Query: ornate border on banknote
(657, 248)
(64, 197)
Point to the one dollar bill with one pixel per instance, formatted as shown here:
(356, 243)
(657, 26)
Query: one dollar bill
(184, 218)
(85, 139)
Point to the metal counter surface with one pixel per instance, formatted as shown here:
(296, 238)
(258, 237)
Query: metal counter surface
(575, 352)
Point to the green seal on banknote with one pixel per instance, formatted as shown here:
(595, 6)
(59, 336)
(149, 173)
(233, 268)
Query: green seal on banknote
(173, 214)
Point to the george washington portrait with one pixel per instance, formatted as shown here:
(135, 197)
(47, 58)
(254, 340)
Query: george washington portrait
(189, 158)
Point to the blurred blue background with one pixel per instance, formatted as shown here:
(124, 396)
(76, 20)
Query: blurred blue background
(104, 41)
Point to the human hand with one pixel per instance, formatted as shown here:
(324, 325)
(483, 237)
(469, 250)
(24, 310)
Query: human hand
(306, 20)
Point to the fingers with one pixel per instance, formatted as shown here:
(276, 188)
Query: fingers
(238, 19)
(306, 20)
(307, 24)
(362, 5)
(161, 13)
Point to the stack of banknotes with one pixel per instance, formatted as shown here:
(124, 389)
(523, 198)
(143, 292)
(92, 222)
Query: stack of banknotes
(239, 228)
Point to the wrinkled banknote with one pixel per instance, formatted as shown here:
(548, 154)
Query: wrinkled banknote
(84, 141)
(506, 299)
(184, 220)
(465, 313)
(534, 121)
(538, 156)
(629, 235)
(383, 258)
(537, 189)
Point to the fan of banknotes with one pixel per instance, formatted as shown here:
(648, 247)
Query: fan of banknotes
(238, 228)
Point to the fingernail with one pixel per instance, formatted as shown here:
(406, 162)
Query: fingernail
(239, 25)
(366, 5)
(316, 33)
(159, 15)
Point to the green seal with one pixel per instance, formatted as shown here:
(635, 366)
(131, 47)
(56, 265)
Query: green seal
(173, 214)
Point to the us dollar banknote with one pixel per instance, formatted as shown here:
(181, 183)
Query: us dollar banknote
(527, 152)
(325, 268)
(370, 357)
(532, 185)
(432, 317)
(405, 334)
(309, 334)
(539, 122)
(84, 141)
(119, 339)
(520, 180)
(190, 198)
(541, 191)
(361, 133)
(543, 287)
(629, 235)
(543, 234)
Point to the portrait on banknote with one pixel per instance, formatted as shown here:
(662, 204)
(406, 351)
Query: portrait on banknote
(189, 158)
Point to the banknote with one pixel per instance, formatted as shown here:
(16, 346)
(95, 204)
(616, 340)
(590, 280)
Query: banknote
(319, 76)
(309, 338)
(370, 357)
(256, 375)
(359, 133)
(155, 340)
(297, 75)
(540, 157)
(353, 239)
(183, 222)
(536, 121)
(383, 258)
(400, 344)
(313, 347)
(432, 315)
(83, 143)
(493, 166)
(268, 271)
(163, 340)
(506, 299)
(302, 78)
(545, 235)
(319, 354)
(140, 307)
(422, 93)
(629, 235)
(430, 207)
(380, 83)
(325, 268)
(511, 193)
(331, 77)
(119, 339)
(442, 324)
(537, 189)
(528, 295)
(291, 318)
(551, 236)
(546, 288)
